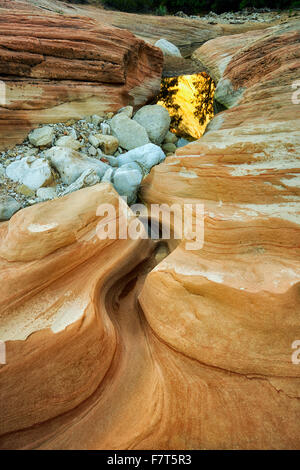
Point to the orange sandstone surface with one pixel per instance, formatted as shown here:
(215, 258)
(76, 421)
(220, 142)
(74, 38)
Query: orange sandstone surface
(110, 347)
(58, 67)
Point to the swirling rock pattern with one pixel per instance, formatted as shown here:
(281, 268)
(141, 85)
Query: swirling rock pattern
(58, 67)
(107, 350)
(234, 305)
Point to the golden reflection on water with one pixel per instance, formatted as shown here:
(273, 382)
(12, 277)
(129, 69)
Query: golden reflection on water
(189, 100)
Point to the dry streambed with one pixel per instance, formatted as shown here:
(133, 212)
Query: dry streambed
(58, 159)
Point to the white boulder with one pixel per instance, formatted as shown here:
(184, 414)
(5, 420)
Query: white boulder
(168, 48)
(127, 180)
(68, 141)
(46, 194)
(105, 128)
(71, 164)
(2, 173)
(31, 172)
(88, 178)
(146, 156)
(92, 151)
(170, 138)
(107, 178)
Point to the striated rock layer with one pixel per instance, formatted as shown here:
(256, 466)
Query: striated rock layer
(234, 305)
(187, 34)
(58, 67)
(105, 350)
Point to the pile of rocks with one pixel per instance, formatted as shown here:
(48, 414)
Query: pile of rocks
(247, 15)
(57, 159)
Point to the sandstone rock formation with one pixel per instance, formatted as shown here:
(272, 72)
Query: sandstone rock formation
(233, 306)
(58, 67)
(105, 350)
(186, 34)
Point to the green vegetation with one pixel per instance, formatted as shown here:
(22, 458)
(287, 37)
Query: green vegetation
(204, 97)
(168, 92)
(162, 7)
(189, 100)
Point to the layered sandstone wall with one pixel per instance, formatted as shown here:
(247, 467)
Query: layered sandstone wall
(187, 34)
(58, 67)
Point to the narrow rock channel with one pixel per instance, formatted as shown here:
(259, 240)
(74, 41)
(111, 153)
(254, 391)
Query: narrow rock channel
(128, 342)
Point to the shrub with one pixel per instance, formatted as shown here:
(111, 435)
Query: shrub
(131, 5)
(161, 7)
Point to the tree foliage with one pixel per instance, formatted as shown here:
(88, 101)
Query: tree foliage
(203, 99)
(168, 90)
(189, 100)
(194, 6)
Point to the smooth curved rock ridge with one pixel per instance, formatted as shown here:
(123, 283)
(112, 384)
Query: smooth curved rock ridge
(59, 67)
(196, 354)
(59, 339)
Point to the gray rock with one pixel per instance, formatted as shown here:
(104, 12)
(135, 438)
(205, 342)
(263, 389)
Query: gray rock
(8, 207)
(29, 153)
(127, 110)
(181, 14)
(2, 173)
(129, 133)
(73, 133)
(107, 178)
(169, 148)
(93, 141)
(127, 180)
(41, 136)
(113, 161)
(96, 120)
(88, 178)
(108, 143)
(92, 151)
(146, 156)
(170, 138)
(105, 128)
(31, 172)
(167, 48)
(71, 164)
(68, 141)
(156, 120)
(46, 194)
